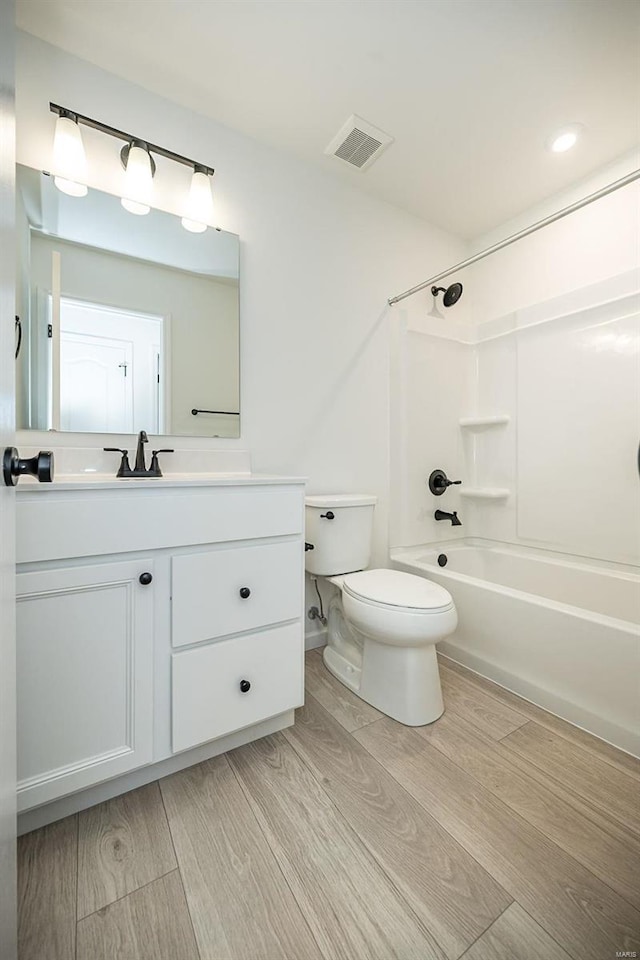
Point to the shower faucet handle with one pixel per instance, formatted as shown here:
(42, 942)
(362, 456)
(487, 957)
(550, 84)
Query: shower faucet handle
(438, 482)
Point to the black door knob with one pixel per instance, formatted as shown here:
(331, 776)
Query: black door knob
(245, 686)
(145, 579)
(245, 592)
(329, 515)
(40, 466)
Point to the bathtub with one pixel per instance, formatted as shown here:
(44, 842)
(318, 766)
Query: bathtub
(560, 631)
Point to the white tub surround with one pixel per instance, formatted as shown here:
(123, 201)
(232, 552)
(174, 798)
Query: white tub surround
(559, 630)
(160, 622)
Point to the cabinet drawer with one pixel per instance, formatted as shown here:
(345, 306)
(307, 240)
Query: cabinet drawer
(230, 590)
(207, 699)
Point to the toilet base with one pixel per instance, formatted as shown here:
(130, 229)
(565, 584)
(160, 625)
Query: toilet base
(401, 682)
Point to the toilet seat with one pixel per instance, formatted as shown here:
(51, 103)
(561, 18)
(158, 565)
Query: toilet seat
(394, 590)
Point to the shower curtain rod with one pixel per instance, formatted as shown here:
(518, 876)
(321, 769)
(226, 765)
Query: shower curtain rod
(630, 177)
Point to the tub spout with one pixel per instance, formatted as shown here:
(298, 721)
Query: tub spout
(453, 517)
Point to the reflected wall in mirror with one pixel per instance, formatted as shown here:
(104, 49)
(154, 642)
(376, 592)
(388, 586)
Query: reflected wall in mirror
(128, 323)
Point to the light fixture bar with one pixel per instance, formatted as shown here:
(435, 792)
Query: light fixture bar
(128, 138)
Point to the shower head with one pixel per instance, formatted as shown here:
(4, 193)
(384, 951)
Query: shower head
(451, 294)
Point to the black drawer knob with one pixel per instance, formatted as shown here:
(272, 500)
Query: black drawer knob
(145, 579)
(329, 515)
(245, 592)
(245, 686)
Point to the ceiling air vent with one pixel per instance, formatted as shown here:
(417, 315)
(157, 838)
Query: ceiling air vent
(358, 143)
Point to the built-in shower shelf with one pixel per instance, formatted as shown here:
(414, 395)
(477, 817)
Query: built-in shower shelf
(485, 493)
(496, 421)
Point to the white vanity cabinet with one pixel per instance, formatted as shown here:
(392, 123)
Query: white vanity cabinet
(155, 624)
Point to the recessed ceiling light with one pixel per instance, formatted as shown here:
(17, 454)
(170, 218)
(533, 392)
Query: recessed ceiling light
(563, 140)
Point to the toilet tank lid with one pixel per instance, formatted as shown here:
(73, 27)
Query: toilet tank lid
(329, 500)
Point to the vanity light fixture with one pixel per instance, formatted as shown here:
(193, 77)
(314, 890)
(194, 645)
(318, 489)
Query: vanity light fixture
(200, 201)
(137, 160)
(69, 159)
(139, 168)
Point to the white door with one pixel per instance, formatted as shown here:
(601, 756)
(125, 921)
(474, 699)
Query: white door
(96, 377)
(7, 496)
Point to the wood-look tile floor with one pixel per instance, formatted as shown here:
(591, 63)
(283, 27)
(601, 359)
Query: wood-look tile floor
(497, 833)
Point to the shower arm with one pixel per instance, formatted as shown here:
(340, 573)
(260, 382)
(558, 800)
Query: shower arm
(538, 225)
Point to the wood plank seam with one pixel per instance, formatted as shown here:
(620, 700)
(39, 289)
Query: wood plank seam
(125, 895)
(480, 935)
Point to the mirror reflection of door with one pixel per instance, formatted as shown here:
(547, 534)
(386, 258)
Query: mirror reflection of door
(110, 363)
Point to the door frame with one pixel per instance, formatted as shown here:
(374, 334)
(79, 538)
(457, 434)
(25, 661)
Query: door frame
(8, 881)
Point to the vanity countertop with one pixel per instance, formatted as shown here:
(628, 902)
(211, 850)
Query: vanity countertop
(95, 481)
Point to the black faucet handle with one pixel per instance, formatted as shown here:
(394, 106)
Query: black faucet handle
(125, 467)
(154, 467)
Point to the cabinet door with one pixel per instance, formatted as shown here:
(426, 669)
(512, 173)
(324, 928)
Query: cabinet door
(234, 683)
(85, 677)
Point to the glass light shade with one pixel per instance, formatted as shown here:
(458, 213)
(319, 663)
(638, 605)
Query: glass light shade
(70, 187)
(193, 226)
(69, 159)
(138, 182)
(140, 209)
(199, 209)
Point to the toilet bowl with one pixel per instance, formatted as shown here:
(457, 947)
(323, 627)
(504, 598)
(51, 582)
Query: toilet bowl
(383, 625)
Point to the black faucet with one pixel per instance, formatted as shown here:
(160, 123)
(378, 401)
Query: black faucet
(443, 515)
(140, 469)
(140, 464)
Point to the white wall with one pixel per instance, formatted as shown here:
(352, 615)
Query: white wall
(318, 262)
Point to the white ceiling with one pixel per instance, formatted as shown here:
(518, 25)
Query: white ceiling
(470, 89)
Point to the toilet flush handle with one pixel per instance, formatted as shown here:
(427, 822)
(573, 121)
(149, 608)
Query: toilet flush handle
(329, 515)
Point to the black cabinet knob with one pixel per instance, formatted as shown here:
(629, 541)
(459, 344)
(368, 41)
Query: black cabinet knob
(245, 592)
(245, 686)
(145, 579)
(329, 515)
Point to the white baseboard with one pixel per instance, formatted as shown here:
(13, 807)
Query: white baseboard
(316, 639)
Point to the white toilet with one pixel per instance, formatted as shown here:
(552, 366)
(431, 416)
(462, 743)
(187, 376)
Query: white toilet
(384, 624)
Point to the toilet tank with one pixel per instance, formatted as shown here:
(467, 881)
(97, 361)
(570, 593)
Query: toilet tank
(340, 527)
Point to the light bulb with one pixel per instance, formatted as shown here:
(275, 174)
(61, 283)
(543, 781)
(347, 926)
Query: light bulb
(69, 160)
(199, 208)
(138, 182)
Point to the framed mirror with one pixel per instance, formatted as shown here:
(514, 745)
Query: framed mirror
(125, 322)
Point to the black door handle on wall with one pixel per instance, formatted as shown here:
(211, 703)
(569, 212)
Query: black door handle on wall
(40, 466)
